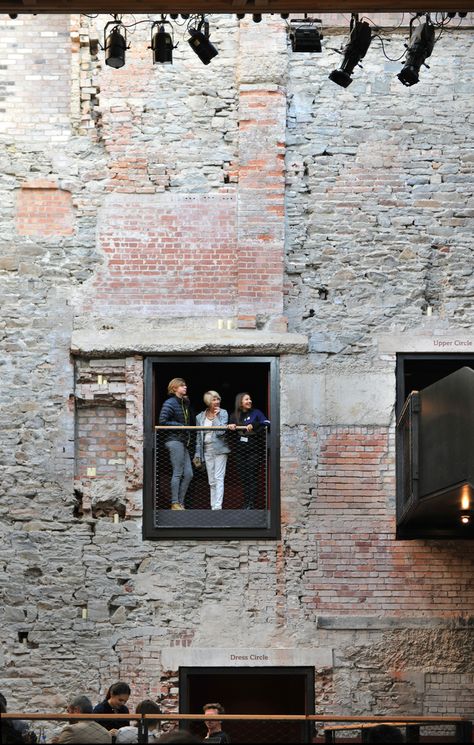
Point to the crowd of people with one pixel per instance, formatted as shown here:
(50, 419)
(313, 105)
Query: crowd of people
(211, 445)
(107, 731)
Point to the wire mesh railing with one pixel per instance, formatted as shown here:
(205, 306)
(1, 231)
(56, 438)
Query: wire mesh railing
(218, 478)
(252, 728)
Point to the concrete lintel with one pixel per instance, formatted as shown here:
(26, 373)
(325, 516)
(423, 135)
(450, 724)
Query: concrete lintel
(175, 657)
(377, 623)
(434, 341)
(122, 343)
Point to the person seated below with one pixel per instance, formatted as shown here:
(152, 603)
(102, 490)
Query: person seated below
(384, 733)
(18, 725)
(130, 734)
(215, 733)
(84, 731)
(114, 703)
(8, 734)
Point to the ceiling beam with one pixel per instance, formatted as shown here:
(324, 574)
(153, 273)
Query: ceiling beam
(313, 7)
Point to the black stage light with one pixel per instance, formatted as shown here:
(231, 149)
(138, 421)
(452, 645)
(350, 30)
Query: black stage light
(305, 35)
(115, 44)
(240, 16)
(420, 46)
(257, 17)
(200, 44)
(356, 48)
(161, 44)
(284, 15)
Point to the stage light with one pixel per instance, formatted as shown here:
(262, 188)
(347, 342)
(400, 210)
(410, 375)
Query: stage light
(420, 46)
(115, 44)
(305, 35)
(161, 44)
(466, 517)
(200, 44)
(356, 48)
(257, 17)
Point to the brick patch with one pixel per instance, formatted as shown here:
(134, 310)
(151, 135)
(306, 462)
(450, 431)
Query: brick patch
(43, 210)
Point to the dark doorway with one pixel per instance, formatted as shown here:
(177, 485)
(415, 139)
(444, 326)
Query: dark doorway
(417, 371)
(228, 378)
(247, 690)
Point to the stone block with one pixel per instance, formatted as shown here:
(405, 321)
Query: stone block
(333, 398)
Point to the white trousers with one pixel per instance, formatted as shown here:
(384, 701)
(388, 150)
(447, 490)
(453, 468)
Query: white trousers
(215, 466)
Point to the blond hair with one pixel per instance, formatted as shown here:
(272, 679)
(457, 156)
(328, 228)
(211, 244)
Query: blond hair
(209, 395)
(174, 384)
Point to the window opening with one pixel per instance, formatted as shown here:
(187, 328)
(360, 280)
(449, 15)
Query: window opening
(203, 477)
(435, 440)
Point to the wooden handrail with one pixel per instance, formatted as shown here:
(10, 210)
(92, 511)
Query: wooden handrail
(247, 717)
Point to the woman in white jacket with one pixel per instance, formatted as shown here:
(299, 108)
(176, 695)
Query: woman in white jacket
(211, 446)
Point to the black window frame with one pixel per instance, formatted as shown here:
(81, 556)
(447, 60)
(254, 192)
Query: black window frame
(273, 529)
(403, 357)
(406, 406)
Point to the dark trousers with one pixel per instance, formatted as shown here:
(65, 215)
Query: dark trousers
(248, 460)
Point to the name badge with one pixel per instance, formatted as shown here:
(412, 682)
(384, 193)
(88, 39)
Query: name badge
(244, 439)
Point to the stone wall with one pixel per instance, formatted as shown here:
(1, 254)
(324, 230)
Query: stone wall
(371, 213)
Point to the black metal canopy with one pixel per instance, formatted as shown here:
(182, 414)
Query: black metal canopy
(436, 460)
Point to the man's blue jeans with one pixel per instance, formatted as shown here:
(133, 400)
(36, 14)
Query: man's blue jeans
(182, 470)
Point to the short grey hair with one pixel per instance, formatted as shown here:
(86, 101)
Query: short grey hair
(209, 395)
(82, 703)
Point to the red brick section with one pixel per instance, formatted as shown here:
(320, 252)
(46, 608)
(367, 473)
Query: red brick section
(261, 200)
(361, 569)
(173, 254)
(44, 210)
(140, 665)
(101, 441)
(129, 163)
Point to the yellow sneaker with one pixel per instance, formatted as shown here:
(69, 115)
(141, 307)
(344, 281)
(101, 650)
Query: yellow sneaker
(176, 506)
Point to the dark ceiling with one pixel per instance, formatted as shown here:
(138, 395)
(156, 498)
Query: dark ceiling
(313, 7)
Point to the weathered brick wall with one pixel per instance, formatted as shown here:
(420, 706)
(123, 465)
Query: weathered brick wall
(376, 226)
(170, 256)
(381, 173)
(361, 568)
(35, 110)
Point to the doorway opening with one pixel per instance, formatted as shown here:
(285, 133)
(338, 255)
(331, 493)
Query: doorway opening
(248, 690)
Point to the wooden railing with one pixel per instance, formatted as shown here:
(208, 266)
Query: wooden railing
(329, 725)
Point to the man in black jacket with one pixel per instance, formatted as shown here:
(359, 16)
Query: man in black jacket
(176, 412)
(215, 733)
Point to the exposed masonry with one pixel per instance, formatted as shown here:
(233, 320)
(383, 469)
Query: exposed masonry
(376, 225)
